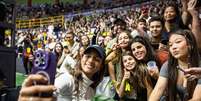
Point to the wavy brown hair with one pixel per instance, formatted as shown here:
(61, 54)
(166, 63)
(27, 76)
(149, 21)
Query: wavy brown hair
(138, 74)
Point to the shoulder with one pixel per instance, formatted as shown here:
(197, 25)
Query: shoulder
(164, 70)
(65, 79)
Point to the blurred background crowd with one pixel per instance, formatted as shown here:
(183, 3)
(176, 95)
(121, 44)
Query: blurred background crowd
(67, 29)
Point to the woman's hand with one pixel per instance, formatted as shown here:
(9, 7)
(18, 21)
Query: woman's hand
(30, 89)
(193, 73)
(115, 46)
(127, 74)
(192, 7)
(154, 72)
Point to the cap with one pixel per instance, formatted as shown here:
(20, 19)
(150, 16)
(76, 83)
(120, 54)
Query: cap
(98, 48)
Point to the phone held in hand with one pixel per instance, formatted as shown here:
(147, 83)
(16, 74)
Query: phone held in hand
(45, 64)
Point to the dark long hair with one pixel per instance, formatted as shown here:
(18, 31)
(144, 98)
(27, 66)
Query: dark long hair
(81, 44)
(177, 20)
(58, 55)
(193, 60)
(150, 51)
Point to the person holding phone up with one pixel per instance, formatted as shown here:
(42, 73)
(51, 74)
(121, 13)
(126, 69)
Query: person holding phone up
(79, 84)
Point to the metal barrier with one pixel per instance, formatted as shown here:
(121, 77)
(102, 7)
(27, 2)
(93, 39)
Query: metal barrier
(34, 23)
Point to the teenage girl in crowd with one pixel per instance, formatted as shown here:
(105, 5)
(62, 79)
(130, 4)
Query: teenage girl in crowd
(80, 84)
(136, 81)
(114, 58)
(183, 54)
(143, 53)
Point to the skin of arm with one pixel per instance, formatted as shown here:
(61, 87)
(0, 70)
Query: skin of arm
(185, 14)
(196, 94)
(111, 71)
(196, 29)
(159, 89)
(121, 89)
(111, 56)
(148, 87)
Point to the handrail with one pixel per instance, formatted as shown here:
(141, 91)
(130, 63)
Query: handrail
(33, 23)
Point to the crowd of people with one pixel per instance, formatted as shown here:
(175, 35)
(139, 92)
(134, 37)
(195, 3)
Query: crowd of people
(44, 10)
(136, 54)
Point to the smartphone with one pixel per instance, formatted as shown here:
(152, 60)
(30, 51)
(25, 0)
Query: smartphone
(44, 64)
(181, 69)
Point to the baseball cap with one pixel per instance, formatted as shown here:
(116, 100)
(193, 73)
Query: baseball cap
(98, 48)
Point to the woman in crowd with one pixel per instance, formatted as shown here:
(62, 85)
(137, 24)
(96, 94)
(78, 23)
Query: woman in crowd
(143, 53)
(114, 58)
(70, 62)
(58, 50)
(172, 17)
(183, 54)
(76, 85)
(136, 81)
(84, 42)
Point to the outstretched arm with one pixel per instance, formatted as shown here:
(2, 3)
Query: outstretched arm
(159, 89)
(196, 26)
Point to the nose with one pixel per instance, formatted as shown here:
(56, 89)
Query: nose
(168, 13)
(174, 47)
(91, 59)
(129, 62)
(154, 28)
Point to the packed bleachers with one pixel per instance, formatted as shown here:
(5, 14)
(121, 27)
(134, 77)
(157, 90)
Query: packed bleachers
(149, 47)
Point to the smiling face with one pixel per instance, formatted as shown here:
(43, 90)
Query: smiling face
(129, 62)
(169, 13)
(155, 28)
(91, 63)
(141, 25)
(106, 40)
(58, 48)
(178, 46)
(85, 40)
(123, 40)
(139, 51)
(69, 37)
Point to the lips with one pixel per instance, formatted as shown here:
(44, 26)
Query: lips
(175, 53)
(123, 44)
(89, 66)
(139, 54)
(130, 65)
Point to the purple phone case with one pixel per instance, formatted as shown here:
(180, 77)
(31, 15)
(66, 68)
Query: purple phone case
(45, 64)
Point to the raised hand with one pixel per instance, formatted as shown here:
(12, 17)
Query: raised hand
(193, 73)
(127, 74)
(192, 5)
(29, 89)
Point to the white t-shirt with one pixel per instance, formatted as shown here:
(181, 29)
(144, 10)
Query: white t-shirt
(66, 88)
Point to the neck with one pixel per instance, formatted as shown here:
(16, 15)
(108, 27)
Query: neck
(183, 63)
(156, 39)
